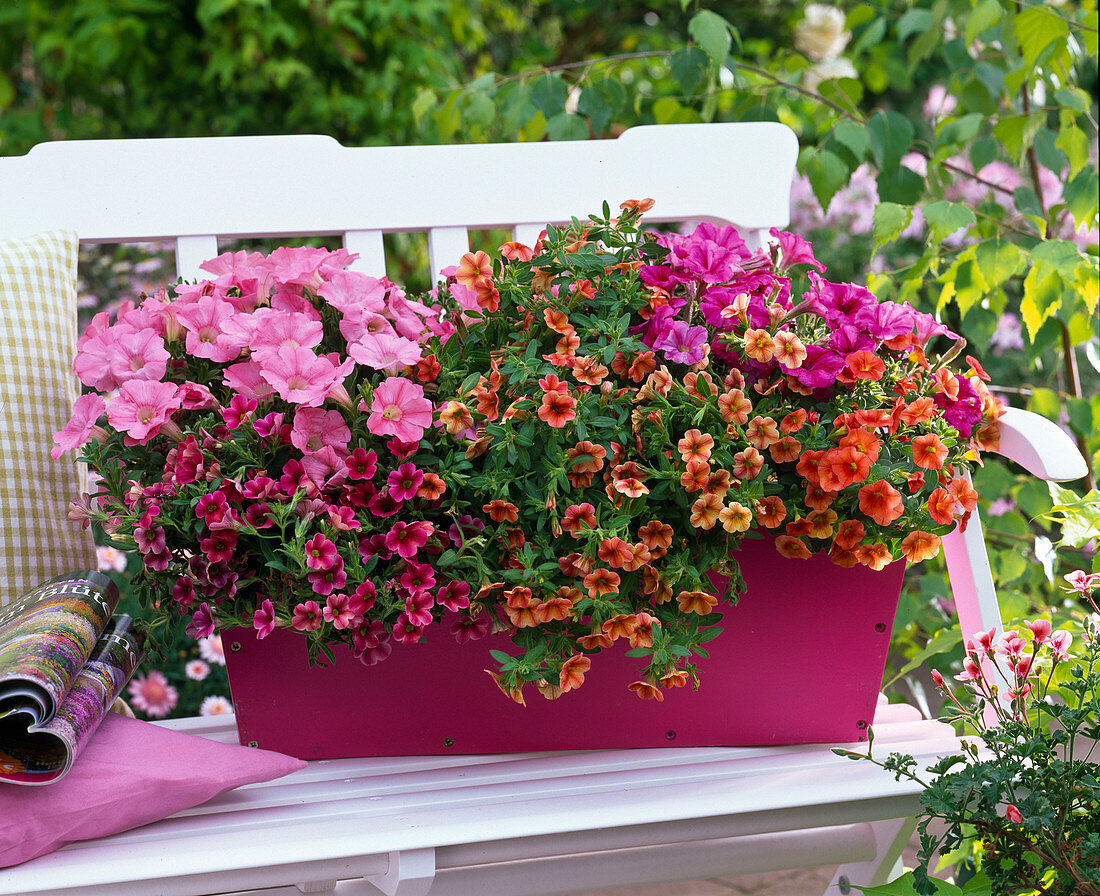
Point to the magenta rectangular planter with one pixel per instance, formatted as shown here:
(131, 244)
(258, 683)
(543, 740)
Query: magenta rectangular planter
(800, 660)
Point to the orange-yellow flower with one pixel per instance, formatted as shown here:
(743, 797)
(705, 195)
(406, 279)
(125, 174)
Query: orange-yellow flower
(718, 483)
(823, 522)
(501, 511)
(881, 502)
(642, 556)
(705, 511)
(748, 463)
(817, 497)
(572, 672)
(770, 511)
(929, 452)
(589, 370)
(735, 517)
(636, 206)
(918, 411)
(794, 421)
(695, 475)
(843, 467)
(646, 691)
(699, 602)
(642, 635)
(642, 366)
(473, 266)
(594, 641)
(759, 345)
(621, 626)
(941, 506)
(734, 407)
(918, 546)
(555, 609)
(695, 445)
(631, 487)
(785, 450)
(699, 385)
(455, 417)
(964, 493)
(789, 350)
(432, 488)
(677, 678)
(762, 432)
(516, 251)
(876, 556)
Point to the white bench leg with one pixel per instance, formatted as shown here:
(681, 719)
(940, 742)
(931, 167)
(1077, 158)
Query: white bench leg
(411, 873)
(891, 837)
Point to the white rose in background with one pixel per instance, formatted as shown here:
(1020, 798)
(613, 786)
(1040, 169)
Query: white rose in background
(821, 34)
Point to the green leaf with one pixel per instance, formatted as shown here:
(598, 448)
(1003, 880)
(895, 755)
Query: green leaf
(827, 173)
(1081, 196)
(549, 93)
(915, 21)
(1080, 416)
(999, 261)
(942, 641)
(422, 103)
(982, 152)
(1073, 142)
(479, 111)
(985, 15)
(890, 219)
(567, 126)
(1079, 516)
(1073, 98)
(890, 134)
(959, 130)
(1042, 297)
(945, 218)
(845, 92)
(900, 185)
(712, 33)
(1017, 132)
(904, 886)
(1036, 29)
(667, 111)
(601, 102)
(689, 67)
(853, 136)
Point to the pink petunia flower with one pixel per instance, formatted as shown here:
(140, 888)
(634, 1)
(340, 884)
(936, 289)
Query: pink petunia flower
(384, 351)
(203, 321)
(263, 620)
(139, 355)
(202, 626)
(301, 377)
(404, 482)
(399, 408)
(307, 617)
(142, 408)
(320, 552)
(82, 426)
(211, 648)
(315, 428)
(338, 611)
(153, 695)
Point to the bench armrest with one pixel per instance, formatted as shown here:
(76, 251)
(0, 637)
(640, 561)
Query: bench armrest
(1040, 446)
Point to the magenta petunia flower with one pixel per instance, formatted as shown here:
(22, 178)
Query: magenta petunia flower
(404, 482)
(406, 539)
(399, 408)
(201, 624)
(793, 249)
(307, 617)
(682, 343)
(263, 620)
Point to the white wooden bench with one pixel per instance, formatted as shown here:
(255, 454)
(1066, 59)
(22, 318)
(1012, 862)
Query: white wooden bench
(515, 825)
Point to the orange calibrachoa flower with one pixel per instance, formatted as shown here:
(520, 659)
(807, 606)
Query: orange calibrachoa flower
(762, 432)
(705, 511)
(432, 488)
(770, 511)
(863, 440)
(881, 502)
(699, 385)
(615, 552)
(642, 366)
(748, 463)
(516, 251)
(792, 547)
(817, 497)
(502, 511)
(589, 370)
(735, 517)
(646, 690)
(964, 493)
(823, 522)
(578, 517)
(794, 421)
(718, 483)
(809, 466)
(558, 321)
(929, 452)
(759, 346)
(455, 417)
(865, 365)
(656, 536)
(876, 556)
(573, 671)
(695, 445)
(918, 411)
(734, 407)
(642, 556)
(694, 477)
(621, 626)
(918, 546)
(789, 350)
(700, 602)
(474, 267)
(842, 467)
(601, 582)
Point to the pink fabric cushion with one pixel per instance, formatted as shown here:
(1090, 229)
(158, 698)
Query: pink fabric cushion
(131, 773)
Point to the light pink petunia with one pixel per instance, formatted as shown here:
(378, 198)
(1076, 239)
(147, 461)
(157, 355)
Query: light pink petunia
(93, 356)
(357, 325)
(142, 407)
(203, 322)
(384, 351)
(315, 428)
(399, 408)
(272, 329)
(301, 377)
(83, 424)
(351, 291)
(139, 355)
(244, 377)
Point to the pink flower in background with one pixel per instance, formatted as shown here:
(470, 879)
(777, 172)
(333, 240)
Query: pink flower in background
(82, 425)
(938, 103)
(153, 695)
(210, 647)
(399, 408)
(197, 670)
(215, 706)
(110, 559)
(142, 408)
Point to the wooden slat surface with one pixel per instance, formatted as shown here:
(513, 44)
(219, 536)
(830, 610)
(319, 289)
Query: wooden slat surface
(342, 818)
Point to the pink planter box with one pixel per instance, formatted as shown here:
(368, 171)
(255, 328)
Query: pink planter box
(800, 660)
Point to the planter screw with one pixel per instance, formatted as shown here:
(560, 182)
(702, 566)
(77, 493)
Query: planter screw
(861, 724)
(880, 626)
(843, 884)
(448, 741)
(671, 735)
(235, 646)
(253, 743)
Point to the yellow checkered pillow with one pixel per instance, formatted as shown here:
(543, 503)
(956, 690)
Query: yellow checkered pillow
(37, 390)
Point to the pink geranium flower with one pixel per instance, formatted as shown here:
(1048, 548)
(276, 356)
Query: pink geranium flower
(399, 408)
(82, 425)
(142, 407)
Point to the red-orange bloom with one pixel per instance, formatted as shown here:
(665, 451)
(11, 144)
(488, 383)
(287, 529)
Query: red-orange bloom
(699, 602)
(432, 488)
(848, 534)
(643, 630)
(876, 556)
(881, 502)
(578, 517)
(642, 556)
(918, 411)
(863, 440)
(677, 678)
(695, 445)
(621, 626)
(718, 483)
(770, 511)
(794, 421)
(589, 370)
(964, 493)
(918, 546)
(799, 528)
(642, 366)
(558, 321)
(615, 552)
(572, 672)
(865, 365)
(473, 266)
(516, 251)
(929, 452)
(455, 417)
(602, 581)
(501, 511)
(809, 466)
(817, 497)
(695, 475)
(795, 548)
(594, 641)
(555, 609)
(558, 408)
(843, 467)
